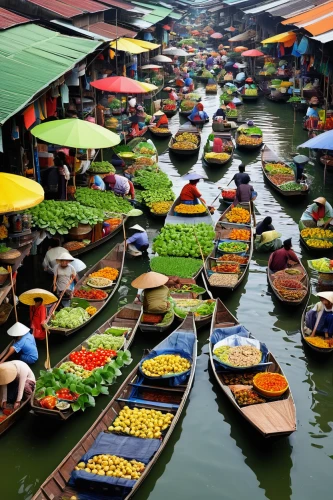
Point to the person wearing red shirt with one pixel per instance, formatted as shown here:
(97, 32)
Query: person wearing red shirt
(163, 122)
(279, 259)
(190, 195)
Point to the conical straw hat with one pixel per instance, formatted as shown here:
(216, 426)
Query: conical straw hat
(29, 296)
(321, 200)
(8, 373)
(326, 295)
(269, 236)
(149, 280)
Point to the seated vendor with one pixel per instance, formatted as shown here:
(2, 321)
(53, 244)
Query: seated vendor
(264, 225)
(268, 241)
(155, 293)
(24, 346)
(280, 259)
(190, 195)
(119, 185)
(161, 120)
(198, 113)
(17, 382)
(138, 242)
(319, 320)
(319, 214)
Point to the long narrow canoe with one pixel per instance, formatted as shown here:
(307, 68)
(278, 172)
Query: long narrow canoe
(271, 419)
(127, 317)
(135, 394)
(305, 281)
(268, 156)
(114, 259)
(321, 350)
(173, 218)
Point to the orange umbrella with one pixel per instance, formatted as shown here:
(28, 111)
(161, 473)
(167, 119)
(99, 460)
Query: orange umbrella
(214, 54)
(240, 49)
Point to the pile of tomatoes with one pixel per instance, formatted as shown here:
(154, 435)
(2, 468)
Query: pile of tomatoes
(66, 394)
(90, 360)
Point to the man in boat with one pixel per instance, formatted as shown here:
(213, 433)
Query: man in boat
(16, 381)
(320, 213)
(120, 185)
(190, 195)
(64, 275)
(245, 192)
(282, 258)
(138, 242)
(155, 293)
(24, 346)
(319, 320)
(53, 253)
(241, 177)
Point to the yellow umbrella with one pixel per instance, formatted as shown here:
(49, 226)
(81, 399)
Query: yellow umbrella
(142, 43)
(127, 46)
(287, 36)
(149, 87)
(19, 193)
(29, 296)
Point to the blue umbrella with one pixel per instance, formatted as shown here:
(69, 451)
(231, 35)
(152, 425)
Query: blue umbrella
(192, 176)
(229, 64)
(322, 141)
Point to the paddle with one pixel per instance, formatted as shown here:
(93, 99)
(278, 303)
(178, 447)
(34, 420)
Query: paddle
(202, 255)
(10, 270)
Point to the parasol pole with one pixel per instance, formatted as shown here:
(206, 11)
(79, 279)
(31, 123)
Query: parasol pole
(10, 270)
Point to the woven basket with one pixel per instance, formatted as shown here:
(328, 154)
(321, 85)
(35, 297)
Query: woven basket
(81, 230)
(10, 256)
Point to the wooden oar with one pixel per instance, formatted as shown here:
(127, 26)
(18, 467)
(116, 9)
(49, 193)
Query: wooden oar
(10, 270)
(202, 255)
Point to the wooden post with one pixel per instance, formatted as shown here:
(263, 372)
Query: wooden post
(10, 270)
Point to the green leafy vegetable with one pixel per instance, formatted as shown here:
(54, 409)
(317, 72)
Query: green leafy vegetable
(176, 266)
(105, 200)
(180, 240)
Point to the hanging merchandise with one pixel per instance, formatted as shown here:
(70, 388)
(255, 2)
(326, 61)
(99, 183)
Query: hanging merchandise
(304, 46)
(295, 52)
(15, 130)
(64, 92)
(29, 116)
(72, 78)
(51, 106)
(55, 91)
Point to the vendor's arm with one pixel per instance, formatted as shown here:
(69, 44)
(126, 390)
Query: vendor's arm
(293, 256)
(133, 238)
(55, 276)
(197, 194)
(132, 190)
(10, 352)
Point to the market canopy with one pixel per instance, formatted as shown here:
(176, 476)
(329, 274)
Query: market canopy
(19, 193)
(288, 36)
(119, 85)
(126, 46)
(243, 37)
(162, 59)
(75, 133)
(321, 141)
(173, 51)
(252, 53)
(142, 43)
(216, 35)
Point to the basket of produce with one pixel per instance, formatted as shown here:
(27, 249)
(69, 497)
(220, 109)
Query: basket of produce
(186, 107)
(181, 240)
(69, 318)
(287, 284)
(278, 168)
(160, 132)
(8, 255)
(247, 397)
(323, 265)
(101, 167)
(228, 194)
(223, 280)
(240, 259)
(317, 233)
(279, 179)
(99, 282)
(239, 352)
(80, 231)
(72, 246)
(201, 308)
(4, 274)
(218, 158)
(145, 148)
(234, 247)
(270, 384)
(169, 107)
(238, 215)
(91, 295)
(211, 88)
(293, 186)
(185, 143)
(294, 274)
(161, 422)
(151, 319)
(318, 243)
(191, 210)
(5, 310)
(320, 342)
(109, 273)
(161, 208)
(240, 234)
(167, 365)
(226, 268)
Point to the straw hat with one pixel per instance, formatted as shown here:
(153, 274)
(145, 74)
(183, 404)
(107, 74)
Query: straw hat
(65, 256)
(149, 280)
(323, 295)
(8, 373)
(139, 228)
(320, 200)
(29, 296)
(18, 330)
(159, 113)
(269, 236)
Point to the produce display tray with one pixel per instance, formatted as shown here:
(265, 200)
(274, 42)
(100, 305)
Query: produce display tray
(179, 219)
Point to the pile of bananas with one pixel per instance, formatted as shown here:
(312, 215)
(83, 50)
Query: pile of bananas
(251, 92)
(187, 137)
(217, 156)
(317, 243)
(161, 207)
(316, 232)
(190, 209)
(165, 364)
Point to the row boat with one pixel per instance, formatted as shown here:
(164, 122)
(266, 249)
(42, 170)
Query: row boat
(114, 259)
(185, 152)
(127, 317)
(304, 281)
(247, 146)
(272, 419)
(320, 350)
(160, 135)
(268, 156)
(174, 218)
(134, 393)
(18, 413)
(227, 141)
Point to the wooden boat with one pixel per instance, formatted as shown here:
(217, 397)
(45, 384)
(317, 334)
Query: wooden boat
(173, 218)
(247, 146)
(279, 98)
(184, 152)
(317, 252)
(114, 259)
(227, 140)
(305, 281)
(276, 418)
(248, 98)
(321, 350)
(211, 92)
(160, 134)
(222, 231)
(198, 123)
(185, 113)
(99, 242)
(127, 317)
(223, 219)
(268, 156)
(156, 328)
(136, 395)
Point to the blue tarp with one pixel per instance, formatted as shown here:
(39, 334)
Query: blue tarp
(177, 343)
(127, 447)
(221, 333)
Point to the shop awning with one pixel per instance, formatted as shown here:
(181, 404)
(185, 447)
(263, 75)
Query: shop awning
(324, 38)
(71, 8)
(265, 6)
(9, 19)
(319, 26)
(294, 8)
(31, 58)
(80, 31)
(247, 35)
(139, 23)
(127, 46)
(111, 31)
(143, 44)
(288, 36)
(310, 15)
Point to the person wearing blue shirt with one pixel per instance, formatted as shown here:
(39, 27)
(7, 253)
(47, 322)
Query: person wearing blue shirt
(25, 345)
(139, 242)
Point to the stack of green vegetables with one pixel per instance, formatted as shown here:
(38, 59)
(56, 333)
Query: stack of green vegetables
(250, 131)
(104, 200)
(182, 307)
(152, 196)
(291, 186)
(69, 317)
(152, 180)
(187, 105)
(180, 240)
(101, 167)
(60, 216)
(105, 341)
(295, 98)
(183, 267)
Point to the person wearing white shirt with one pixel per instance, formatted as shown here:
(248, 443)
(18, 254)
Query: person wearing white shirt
(20, 373)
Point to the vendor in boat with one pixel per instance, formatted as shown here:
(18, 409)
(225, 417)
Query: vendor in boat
(220, 113)
(268, 241)
(320, 213)
(190, 195)
(138, 242)
(300, 161)
(120, 185)
(198, 113)
(264, 225)
(53, 253)
(24, 346)
(241, 177)
(38, 314)
(17, 381)
(282, 258)
(189, 84)
(245, 192)
(160, 120)
(155, 293)
(173, 95)
(319, 320)
(64, 275)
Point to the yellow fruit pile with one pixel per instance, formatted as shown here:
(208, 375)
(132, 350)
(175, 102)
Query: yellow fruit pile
(146, 151)
(238, 215)
(3, 232)
(318, 342)
(217, 156)
(316, 232)
(211, 88)
(141, 423)
(112, 466)
(317, 243)
(184, 145)
(187, 137)
(91, 310)
(165, 364)
(107, 272)
(161, 207)
(160, 130)
(190, 209)
(246, 140)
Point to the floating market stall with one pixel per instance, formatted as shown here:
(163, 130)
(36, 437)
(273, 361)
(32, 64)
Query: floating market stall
(250, 377)
(186, 107)
(281, 176)
(181, 213)
(323, 267)
(318, 241)
(169, 107)
(249, 137)
(222, 142)
(291, 286)
(201, 309)
(185, 142)
(317, 344)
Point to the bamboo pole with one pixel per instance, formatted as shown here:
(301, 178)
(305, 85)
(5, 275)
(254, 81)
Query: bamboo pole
(10, 270)
(202, 255)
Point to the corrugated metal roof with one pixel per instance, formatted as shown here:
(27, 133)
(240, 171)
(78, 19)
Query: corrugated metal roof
(58, 8)
(295, 7)
(111, 30)
(151, 18)
(311, 14)
(265, 6)
(80, 31)
(319, 25)
(324, 38)
(31, 58)
(118, 3)
(86, 5)
(9, 19)
(176, 15)
(138, 23)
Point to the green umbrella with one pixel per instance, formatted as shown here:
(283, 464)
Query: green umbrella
(75, 133)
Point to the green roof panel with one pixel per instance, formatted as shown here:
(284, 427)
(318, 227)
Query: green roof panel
(31, 58)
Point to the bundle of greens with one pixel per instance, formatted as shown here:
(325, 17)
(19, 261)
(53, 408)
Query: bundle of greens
(181, 240)
(152, 180)
(155, 195)
(70, 317)
(101, 167)
(184, 267)
(104, 200)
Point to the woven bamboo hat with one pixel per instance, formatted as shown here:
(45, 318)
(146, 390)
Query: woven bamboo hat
(269, 236)
(8, 373)
(149, 280)
(320, 200)
(65, 256)
(18, 330)
(323, 295)
(29, 296)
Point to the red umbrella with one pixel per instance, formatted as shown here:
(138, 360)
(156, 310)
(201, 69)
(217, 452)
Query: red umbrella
(231, 28)
(166, 27)
(216, 35)
(118, 85)
(252, 53)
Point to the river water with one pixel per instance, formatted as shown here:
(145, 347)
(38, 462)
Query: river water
(213, 453)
